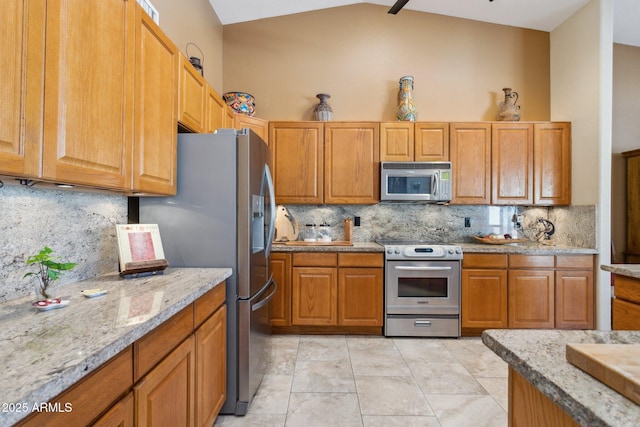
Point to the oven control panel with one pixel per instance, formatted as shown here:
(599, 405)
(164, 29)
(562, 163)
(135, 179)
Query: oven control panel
(417, 252)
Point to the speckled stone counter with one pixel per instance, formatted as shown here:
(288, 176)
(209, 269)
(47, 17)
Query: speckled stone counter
(356, 247)
(631, 270)
(540, 357)
(516, 248)
(43, 353)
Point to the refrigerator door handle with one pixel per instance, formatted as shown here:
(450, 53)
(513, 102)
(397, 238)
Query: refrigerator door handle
(272, 211)
(265, 301)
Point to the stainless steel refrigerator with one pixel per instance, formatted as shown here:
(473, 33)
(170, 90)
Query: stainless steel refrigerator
(223, 216)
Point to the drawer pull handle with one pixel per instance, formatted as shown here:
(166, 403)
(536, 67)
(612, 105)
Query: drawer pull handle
(422, 323)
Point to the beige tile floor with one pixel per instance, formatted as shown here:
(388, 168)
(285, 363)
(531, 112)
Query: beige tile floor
(379, 382)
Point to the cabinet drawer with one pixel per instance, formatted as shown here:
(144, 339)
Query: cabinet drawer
(626, 316)
(484, 261)
(153, 347)
(315, 259)
(91, 396)
(531, 261)
(627, 289)
(208, 303)
(360, 260)
(580, 262)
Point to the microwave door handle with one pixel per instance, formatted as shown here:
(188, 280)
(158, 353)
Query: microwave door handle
(434, 185)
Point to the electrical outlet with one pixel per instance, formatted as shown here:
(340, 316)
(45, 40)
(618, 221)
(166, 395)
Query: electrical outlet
(520, 218)
(467, 221)
(356, 221)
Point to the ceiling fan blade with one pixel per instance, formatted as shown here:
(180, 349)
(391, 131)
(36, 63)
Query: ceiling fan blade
(396, 7)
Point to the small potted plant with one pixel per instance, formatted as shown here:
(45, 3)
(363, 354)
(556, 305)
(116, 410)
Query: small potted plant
(48, 271)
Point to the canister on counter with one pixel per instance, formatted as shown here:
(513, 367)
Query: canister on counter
(348, 229)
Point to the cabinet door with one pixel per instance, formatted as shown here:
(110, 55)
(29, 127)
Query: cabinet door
(531, 299)
(626, 316)
(484, 300)
(259, 126)
(512, 163)
(632, 254)
(352, 163)
(216, 111)
(298, 162)
(280, 264)
(88, 96)
(314, 296)
(431, 142)
(552, 163)
(211, 368)
(574, 299)
(396, 142)
(193, 97)
(21, 64)
(120, 415)
(156, 113)
(360, 296)
(165, 396)
(470, 152)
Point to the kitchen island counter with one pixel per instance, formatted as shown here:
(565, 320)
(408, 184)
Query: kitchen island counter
(629, 270)
(44, 353)
(539, 356)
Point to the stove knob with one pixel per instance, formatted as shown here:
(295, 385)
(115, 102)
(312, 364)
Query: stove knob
(389, 251)
(450, 251)
(458, 250)
(397, 251)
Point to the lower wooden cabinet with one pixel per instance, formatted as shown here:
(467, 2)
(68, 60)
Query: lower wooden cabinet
(531, 299)
(328, 292)
(120, 414)
(526, 291)
(626, 304)
(165, 396)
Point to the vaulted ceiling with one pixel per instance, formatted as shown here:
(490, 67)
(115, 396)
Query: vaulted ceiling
(543, 15)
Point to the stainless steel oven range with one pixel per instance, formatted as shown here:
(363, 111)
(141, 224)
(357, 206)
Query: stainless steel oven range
(422, 289)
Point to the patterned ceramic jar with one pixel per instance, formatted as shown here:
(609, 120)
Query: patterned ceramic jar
(240, 102)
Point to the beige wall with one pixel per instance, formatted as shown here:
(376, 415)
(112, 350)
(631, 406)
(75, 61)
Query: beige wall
(194, 21)
(581, 88)
(358, 53)
(626, 134)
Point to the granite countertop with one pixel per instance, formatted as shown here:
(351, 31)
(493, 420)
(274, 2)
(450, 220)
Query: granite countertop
(356, 247)
(540, 357)
(631, 270)
(532, 248)
(43, 353)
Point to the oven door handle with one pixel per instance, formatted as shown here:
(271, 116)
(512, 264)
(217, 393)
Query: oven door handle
(424, 268)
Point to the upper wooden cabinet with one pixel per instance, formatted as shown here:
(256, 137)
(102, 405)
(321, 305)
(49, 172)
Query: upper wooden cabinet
(511, 163)
(552, 163)
(88, 98)
(192, 112)
(470, 153)
(216, 111)
(297, 150)
(21, 65)
(409, 141)
(259, 126)
(352, 163)
(632, 254)
(156, 112)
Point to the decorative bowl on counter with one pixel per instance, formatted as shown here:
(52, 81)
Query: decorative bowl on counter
(240, 102)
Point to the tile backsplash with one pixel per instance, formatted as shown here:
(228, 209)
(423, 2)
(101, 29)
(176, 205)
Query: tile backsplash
(574, 225)
(79, 227)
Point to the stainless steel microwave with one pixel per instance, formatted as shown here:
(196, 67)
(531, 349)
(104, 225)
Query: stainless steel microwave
(415, 182)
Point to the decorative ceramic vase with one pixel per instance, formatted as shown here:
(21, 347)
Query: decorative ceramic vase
(508, 110)
(323, 111)
(240, 102)
(406, 110)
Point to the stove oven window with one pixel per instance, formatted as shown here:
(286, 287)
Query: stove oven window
(422, 287)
